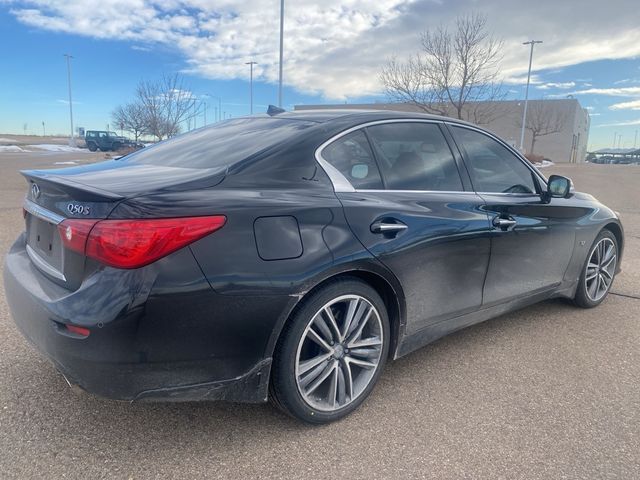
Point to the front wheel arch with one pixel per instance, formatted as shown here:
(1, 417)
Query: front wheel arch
(616, 230)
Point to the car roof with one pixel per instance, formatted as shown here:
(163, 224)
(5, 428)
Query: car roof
(360, 115)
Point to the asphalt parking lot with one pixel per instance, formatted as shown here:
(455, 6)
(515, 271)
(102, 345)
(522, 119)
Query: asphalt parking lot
(551, 391)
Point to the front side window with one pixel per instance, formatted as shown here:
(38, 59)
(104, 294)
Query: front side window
(493, 168)
(415, 156)
(352, 156)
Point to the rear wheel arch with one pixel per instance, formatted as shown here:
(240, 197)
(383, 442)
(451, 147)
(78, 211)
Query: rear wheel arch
(391, 295)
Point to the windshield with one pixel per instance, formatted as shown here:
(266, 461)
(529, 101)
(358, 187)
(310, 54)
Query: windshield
(222, 144)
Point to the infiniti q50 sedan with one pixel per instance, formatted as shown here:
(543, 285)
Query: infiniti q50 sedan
(289, 256)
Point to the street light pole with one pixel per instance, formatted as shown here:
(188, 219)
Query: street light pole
(251, 64)
(526, 95)
(72, 140)
(281, 52)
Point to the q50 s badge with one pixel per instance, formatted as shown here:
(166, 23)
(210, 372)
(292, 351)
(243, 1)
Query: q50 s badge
(77, 209)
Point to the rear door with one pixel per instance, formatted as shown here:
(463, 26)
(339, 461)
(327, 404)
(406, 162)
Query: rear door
(406, 202)
(532, 240)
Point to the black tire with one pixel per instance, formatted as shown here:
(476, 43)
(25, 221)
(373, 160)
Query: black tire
(284, 391)
(582, 298)
(92, 147)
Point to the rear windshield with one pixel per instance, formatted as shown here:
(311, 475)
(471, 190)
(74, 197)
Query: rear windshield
(219, 145)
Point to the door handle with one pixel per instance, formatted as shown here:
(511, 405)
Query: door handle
(387, 227)
(504, 223)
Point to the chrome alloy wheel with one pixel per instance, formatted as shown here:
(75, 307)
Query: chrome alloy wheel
(600, 269)
(339, 352)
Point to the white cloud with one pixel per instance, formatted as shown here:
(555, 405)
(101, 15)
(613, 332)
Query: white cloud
(558, 85)
(335, 47)
(631, 105)
(611, 92)
(621, 124)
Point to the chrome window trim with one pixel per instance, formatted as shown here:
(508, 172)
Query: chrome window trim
(41, 264)
(517, 154)
(340, 183)
(42, 213)
(449, 192)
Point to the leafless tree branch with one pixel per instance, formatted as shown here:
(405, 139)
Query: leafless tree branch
(453, 72)
(542, 120)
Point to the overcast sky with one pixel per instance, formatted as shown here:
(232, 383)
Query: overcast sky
(333, 52)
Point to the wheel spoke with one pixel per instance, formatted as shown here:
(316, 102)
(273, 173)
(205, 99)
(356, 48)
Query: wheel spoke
(321, 378)
(332, 322)
(593, 288)
(319, 340)
(312, 375)
(606, 274)
(364, 352)
(600, 252)
(324, 329)
(609, 262)
(349, 315)
(366, 342)
(591, 275)
(357, 332)
(332, 397)
(307, 365)
(348, 380)
(360, 363)
(608, 253)
(602, 286)
(359, 320)
(342, 388)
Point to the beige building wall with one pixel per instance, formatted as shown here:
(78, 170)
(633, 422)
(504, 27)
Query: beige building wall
(568, 145)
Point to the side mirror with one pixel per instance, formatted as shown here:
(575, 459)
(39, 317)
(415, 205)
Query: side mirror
(558, 187)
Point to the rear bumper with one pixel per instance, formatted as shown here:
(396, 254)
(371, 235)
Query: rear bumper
(146, 345)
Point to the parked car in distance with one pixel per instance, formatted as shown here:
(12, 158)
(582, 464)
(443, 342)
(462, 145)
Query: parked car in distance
(290, 256)
(107, 141)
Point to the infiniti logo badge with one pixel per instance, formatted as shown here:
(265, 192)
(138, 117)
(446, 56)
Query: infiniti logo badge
(35, 190)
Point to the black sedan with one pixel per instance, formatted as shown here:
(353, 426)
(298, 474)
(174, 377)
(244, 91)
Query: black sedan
(290, 256)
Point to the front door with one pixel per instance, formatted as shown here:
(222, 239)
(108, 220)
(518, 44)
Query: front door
(410, 209)
(532, 241)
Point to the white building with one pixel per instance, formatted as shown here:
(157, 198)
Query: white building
(567, 145)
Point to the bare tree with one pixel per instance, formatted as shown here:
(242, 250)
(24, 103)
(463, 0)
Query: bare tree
(543, 119)
(132, 118)
(166, 103)
(452, 72)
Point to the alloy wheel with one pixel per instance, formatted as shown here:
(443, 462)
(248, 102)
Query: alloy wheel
(600, 269)
(339, 352)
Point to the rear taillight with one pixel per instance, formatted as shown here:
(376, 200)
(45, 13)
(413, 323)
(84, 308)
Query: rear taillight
(135, 243)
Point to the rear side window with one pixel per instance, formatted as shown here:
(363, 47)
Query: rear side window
(352, 156)
(222, 144)
(415, 156)
(493, 168)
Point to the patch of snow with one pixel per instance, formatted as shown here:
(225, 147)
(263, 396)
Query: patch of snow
(51, 147)
(6, 140)
(544, 164)
(66, 163)
(11, 149)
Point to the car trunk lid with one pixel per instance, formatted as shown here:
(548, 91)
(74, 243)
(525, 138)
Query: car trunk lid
(90, 192)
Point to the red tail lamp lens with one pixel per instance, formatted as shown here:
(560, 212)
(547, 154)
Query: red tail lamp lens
(135, 243)
(78, 330)
(74, 233)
